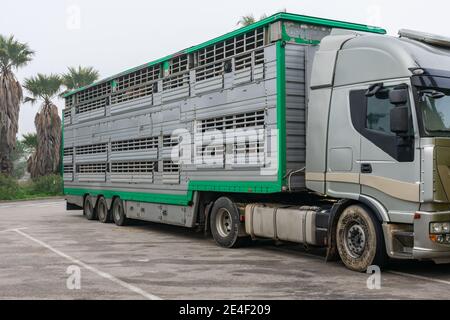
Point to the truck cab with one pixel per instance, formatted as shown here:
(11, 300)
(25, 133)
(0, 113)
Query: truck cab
(378, 136)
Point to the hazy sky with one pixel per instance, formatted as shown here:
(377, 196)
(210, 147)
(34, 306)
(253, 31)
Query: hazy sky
(113, 35)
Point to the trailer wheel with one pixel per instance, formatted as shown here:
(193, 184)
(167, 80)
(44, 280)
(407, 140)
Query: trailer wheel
(118, 213)
(88, 209)
(102, 210)
(225, 224)
(360, 240)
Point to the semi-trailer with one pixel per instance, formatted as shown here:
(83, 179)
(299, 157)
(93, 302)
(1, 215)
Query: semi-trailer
(300, 129)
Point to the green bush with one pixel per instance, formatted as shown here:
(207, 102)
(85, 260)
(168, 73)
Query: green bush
(50, 185)
(46, 186)
(9, 188)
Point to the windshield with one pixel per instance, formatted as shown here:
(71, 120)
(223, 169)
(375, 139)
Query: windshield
(435, 108)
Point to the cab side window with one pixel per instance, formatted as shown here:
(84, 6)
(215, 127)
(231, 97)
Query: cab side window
(371, 117)
(379, 112)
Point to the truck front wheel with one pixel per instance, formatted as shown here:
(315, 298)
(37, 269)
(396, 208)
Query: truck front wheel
(360, 240)
(225, 224)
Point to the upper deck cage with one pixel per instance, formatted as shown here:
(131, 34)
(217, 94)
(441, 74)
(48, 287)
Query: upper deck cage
(235, 51)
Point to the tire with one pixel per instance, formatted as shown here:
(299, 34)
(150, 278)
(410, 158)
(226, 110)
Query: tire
(118, 213)
(225, 224)
(88, 209)
(360, 239)
(102, 211)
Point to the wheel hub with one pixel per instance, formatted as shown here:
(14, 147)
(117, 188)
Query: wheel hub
(356, 240)
(224, 222)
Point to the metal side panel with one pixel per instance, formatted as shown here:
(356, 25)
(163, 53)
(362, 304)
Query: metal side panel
(209, 85)
(171, 178)
(91, 177)
(91, 115)
(68, 121)
(132, 105)
(101, 157)
(258, 72)
(243, 76)
(131, 178)
(135, 155)
(68, 177)
(296, 88)
(68, 159)
(175, 94)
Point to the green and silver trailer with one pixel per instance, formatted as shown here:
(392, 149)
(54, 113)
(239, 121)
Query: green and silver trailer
(298, 129)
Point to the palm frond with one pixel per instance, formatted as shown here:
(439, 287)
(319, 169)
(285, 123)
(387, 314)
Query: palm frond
(30, 100)
(44, 87)
(79, 77)
(30, 141)
(13, 54)
(246, 20)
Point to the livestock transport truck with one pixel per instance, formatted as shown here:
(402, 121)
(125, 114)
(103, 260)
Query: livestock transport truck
(299, 129)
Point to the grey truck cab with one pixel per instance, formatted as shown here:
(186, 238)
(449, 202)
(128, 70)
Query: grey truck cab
(379, 135)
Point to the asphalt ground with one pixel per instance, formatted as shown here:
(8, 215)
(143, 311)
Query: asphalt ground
(49, 253)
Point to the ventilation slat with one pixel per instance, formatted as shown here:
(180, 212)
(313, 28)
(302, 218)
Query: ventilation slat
(134, 167)
(92, 149)
(244, 120)
(137, 144)
(91, 106)
(92, 168)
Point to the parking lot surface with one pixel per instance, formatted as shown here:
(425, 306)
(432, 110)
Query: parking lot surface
(49, 253)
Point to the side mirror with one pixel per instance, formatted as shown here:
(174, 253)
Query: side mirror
(400, 120)
(399, 96)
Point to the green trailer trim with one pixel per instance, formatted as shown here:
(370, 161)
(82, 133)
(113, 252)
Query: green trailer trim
(186, 199)
(61, 151)
(281, 110)
(235, 186)
(274, 18)
(181, 200)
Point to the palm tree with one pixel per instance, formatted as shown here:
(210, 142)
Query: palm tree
(45, 160)
(79, 77)
(246, 20)
(250, 19)
(30, 142)
(13, 55)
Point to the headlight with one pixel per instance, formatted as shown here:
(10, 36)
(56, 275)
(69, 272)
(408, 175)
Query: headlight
(440, 232)
(440, 228)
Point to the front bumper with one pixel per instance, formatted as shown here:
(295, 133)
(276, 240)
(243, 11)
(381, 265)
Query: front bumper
(424, 247)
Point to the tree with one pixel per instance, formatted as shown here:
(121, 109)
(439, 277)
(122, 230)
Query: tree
(13, 55)
(45, 160)
(18, 157)
(246, 20)
(250, 19)
(30, 142)
(79, 77)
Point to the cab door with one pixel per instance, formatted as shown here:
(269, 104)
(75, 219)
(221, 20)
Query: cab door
(390, 163)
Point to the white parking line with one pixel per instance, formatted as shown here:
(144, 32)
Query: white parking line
(11, 230)
(419, 277)
(35, 205)
(90, 268)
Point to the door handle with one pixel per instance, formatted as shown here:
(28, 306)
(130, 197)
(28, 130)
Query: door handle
(366, 168)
